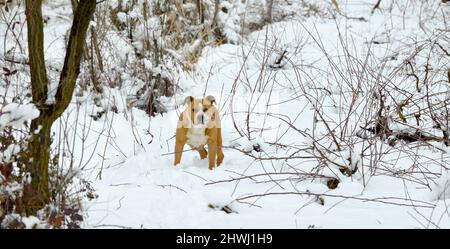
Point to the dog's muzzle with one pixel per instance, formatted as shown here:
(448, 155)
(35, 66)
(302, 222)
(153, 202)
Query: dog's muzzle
(200, 119)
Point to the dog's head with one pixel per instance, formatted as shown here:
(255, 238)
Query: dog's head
(200, 112)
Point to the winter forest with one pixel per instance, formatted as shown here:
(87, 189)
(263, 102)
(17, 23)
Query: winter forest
(224, 114)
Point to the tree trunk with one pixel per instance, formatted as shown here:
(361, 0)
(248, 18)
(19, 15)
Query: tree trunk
(268, 15)
(220, 38)
(201, 15)
(38, 195)
(74, 5)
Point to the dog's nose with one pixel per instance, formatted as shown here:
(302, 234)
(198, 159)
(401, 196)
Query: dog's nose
(200, 119)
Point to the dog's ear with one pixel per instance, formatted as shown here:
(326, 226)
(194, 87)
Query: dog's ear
(211, 99)
(188, 100)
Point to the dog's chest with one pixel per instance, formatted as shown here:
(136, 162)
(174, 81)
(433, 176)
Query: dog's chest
(196, 137)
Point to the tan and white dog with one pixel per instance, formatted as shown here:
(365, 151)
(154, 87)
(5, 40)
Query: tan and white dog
(199, 125)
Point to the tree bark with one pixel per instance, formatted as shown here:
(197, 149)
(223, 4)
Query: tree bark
(75, 48)
(214, 25)
(268, 16)
(74, 5)
(201, 15)
(35, 28)
(38, 195)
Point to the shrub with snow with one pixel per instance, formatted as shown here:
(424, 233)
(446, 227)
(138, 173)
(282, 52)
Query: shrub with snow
(15, 114)
(441, 190)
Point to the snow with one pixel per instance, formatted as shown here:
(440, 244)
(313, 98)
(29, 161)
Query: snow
(14, 114)
(128, 156)
(31, 222)
(9, 152)
(442, 186)
(122, 17)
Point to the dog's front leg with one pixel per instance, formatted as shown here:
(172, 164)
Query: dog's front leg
(178, 152)
(220, 155)
(180, 141)
(212, 146)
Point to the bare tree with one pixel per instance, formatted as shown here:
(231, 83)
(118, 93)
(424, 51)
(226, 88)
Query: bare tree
(38, 194)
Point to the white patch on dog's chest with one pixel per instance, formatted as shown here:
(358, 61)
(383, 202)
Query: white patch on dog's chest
(196, 137)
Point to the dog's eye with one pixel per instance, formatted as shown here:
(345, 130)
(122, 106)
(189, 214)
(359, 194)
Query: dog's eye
(205, 109)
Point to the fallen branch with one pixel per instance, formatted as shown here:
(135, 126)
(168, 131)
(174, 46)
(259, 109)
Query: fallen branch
(312, 175)
(384, 200)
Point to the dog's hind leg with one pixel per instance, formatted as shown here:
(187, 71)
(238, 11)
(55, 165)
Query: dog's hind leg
(201, 150)
(203, 153)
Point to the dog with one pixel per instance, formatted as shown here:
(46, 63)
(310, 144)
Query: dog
(199, 125)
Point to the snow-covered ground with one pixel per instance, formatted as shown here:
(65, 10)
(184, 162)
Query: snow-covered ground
(128, 156)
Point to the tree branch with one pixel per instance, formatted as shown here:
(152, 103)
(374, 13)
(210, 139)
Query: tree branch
(35, 26)
(82, 17)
